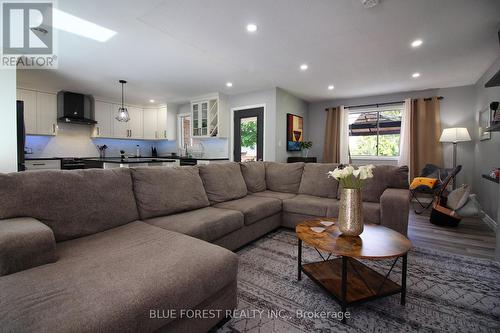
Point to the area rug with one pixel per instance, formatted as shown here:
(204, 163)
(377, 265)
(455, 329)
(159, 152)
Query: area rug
(446, 293)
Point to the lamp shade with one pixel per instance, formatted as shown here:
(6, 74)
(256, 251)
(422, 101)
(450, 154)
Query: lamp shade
(455, 134)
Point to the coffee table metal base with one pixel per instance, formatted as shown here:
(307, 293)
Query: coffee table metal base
(350, 282)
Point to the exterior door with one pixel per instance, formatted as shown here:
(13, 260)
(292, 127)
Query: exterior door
(249, 135)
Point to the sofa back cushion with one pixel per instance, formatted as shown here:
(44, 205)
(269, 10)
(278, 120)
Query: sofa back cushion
(315, 180)
(72, 203)
(163, 191)
(223, 181)
(384, 176)
(284, 177)
(254, 174)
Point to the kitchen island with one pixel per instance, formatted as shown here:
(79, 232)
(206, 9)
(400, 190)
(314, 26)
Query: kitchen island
(118, 162)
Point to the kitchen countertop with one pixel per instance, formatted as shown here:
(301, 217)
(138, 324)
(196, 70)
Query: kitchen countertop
(130, 160)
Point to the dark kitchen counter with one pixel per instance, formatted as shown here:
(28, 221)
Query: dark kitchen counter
(131, 160)
(42, 158)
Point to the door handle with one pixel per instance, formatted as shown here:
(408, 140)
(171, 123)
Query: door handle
(98, 131)
(54, 128)
(165, 134)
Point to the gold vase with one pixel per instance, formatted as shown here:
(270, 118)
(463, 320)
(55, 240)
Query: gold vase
(351, 212)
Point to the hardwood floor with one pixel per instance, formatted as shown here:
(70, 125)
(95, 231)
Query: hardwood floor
(472, 237)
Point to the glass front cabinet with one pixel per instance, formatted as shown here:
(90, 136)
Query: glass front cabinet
(205, 114)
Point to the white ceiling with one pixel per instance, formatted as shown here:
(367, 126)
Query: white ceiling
(177, 49)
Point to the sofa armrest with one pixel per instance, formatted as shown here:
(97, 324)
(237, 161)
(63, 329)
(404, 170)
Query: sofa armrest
(394, 209)
(25, 243)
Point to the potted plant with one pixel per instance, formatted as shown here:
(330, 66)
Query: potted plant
(351, 182)
(305, 146)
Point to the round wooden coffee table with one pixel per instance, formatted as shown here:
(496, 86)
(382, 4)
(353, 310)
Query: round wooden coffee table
(349, 281)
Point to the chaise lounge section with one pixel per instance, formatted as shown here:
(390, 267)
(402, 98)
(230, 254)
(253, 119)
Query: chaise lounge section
(102, 250)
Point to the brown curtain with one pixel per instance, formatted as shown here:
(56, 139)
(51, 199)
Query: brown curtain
(331, 149)
(425, 132)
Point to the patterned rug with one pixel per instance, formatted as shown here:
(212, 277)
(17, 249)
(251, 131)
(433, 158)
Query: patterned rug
(446, 293)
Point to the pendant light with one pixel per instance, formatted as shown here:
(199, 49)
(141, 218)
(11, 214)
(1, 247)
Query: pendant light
(123, 115)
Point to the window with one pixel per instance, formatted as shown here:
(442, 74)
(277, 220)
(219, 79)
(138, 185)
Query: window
(375, 132)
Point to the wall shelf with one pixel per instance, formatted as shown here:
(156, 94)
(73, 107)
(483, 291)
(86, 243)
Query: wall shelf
(493, 128)
(496, 180)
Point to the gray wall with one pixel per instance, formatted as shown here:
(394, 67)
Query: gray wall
(287, 103)
(267, 97)
(487, 153)
(457, 109)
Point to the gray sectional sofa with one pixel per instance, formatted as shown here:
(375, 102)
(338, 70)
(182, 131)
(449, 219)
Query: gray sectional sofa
(115, 250)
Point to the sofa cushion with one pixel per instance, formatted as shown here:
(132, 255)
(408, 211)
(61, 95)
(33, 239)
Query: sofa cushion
(384, 176)
(109, 282)
(275, 195)
(284, 177)
(207, 223)
(162, 191)
(25, 243)
(371, 212)
(72, 203)
(315, 180)
(310, 205)
(254, 208)
(223, 181)
(254, 174)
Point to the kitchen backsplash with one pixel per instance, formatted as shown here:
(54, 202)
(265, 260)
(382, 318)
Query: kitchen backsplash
(75, 141)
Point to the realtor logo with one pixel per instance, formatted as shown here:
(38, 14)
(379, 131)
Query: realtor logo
(27, 35)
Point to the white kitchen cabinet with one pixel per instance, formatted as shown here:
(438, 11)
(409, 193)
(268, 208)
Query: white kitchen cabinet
(42, 164)
(159, 124)
(29, 99)
(120, 128)
(46, 114)
(132, 129)
(209, 117)
(162, 128)
(151, 124)
(103, 113)
(135, 123)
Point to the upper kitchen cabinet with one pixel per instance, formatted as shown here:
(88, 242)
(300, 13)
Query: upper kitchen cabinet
(29, 99)
(103, 113)
(209, 117)
(46, 115)
(132, 129)
(151, 124)
(40, 112)
(159, 124)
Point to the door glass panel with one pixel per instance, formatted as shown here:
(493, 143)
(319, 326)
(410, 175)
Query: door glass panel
(248, 132)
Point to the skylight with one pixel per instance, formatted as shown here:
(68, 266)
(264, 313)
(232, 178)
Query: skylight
(75, 25)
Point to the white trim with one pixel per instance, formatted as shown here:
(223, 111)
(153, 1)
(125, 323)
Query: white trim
(375, 158)
(231, 129)
(489, 221)
(180, 139)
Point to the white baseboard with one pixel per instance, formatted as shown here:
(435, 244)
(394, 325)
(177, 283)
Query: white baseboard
(489, 221)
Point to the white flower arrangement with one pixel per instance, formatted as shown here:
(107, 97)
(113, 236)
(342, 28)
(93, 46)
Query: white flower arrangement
(349, 177)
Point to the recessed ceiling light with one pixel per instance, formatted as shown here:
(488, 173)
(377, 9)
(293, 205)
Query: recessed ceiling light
(151, 101)
(331, 87)
(416, 43)
(304, 67)
(251, 27)
(229, 84)
(415, 75)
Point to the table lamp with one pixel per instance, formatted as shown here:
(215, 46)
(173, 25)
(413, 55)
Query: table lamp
(455, 135)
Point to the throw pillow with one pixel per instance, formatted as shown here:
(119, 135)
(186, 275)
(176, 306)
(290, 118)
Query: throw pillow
(471, 209)
(458, 197)
(423, 181)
